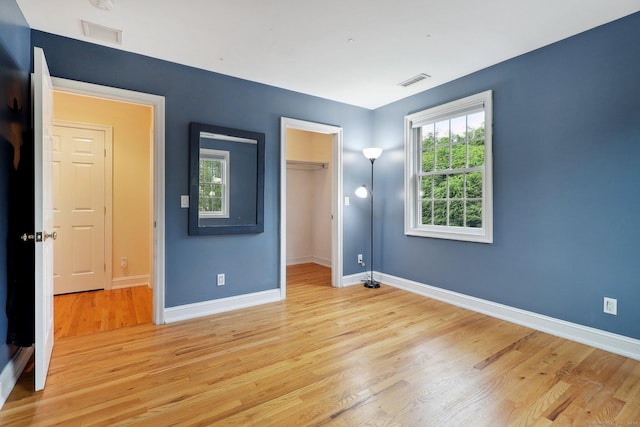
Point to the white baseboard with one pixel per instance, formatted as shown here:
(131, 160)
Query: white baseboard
(299, 260)
(206, 308)
(354, 279)
(130, 281)
(12, 371)
(608, 341)
(309, 259)
(321, 261)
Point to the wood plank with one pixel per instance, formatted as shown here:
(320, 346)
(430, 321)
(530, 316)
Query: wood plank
(324, 356)
(85, 313)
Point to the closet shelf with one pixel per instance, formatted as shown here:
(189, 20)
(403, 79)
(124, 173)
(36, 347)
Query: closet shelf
(302, 165)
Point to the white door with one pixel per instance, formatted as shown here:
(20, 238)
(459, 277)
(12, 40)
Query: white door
(43, 127)
(79, 208)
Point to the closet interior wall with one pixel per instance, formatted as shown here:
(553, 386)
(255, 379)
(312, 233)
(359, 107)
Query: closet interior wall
(308, 197)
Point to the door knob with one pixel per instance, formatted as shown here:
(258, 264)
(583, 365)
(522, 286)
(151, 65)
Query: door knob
(53, 235)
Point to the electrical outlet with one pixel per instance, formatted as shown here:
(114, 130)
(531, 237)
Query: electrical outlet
(221, 279)
(610, 306)
(360, 260)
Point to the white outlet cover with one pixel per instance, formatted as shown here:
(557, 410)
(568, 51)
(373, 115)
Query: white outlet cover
(184, 201)
(610, 306)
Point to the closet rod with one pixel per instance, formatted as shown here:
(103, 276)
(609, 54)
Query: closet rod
(300, 164)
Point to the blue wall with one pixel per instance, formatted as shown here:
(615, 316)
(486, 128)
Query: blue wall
(14, 67)
(566, 148)
(250, 262)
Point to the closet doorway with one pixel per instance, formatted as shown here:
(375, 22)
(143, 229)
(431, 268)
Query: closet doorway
(311, 189)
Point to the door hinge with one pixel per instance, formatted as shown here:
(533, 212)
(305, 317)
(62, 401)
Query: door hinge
(105, 268)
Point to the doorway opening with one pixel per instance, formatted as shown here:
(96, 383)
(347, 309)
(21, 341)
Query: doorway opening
(102, 201)
(311, 191)
(132, 257)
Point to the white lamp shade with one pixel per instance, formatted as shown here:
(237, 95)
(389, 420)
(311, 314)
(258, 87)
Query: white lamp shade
(362, 192)
(372, 152)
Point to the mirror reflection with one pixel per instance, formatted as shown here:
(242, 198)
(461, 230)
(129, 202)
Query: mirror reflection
(227, 176)
(213, 187)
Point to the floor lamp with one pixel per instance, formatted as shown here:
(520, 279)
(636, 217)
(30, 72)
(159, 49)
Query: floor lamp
(372, 154)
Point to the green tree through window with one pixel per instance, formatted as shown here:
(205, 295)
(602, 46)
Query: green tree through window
(451, 151)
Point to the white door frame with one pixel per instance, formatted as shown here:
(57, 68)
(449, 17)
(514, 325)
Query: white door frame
(108, 190)
(157, 102)
(336, 199)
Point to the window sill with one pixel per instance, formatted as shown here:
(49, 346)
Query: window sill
(452, 233)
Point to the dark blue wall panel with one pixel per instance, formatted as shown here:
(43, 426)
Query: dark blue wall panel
(250, 262)
(14, 67)
(566, 147)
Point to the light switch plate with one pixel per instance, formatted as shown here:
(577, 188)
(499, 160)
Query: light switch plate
(184, 201)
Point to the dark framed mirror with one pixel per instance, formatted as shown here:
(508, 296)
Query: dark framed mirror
(226, 180)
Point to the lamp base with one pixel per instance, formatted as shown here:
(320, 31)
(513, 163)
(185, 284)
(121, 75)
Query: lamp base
(371, 284)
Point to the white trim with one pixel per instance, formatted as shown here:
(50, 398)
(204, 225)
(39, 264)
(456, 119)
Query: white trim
(12, 371)
(300, 260)
(130, 281)
(158, 104)
(231, 138)
(608, 341)
(321, 261)
(309, 259)
(412, 166)
(207, 308)
(356, 279)
(336, 197)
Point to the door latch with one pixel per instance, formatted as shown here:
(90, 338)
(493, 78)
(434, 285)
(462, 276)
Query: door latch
(39, 236)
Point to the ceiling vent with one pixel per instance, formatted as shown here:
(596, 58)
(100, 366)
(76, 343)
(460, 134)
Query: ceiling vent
(98, 32)
(103, 4)
(414, 80)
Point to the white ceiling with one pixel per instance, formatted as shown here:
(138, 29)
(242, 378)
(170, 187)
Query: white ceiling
(353, 51)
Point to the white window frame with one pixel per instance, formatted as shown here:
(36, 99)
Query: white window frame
(413, 169)
(209, 154)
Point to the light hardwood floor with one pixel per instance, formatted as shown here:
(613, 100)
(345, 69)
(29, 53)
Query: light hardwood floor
(326, 356)
(85, 313)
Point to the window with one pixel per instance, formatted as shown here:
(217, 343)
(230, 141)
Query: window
(448, 182)
(213, 197)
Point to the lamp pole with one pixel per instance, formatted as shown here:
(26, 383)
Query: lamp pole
(371, 283)
(372, 154)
